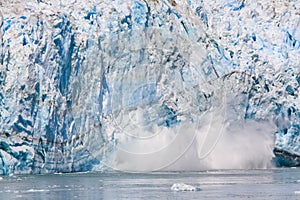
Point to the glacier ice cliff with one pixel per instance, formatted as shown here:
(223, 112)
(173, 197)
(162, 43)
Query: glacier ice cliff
(80, 80)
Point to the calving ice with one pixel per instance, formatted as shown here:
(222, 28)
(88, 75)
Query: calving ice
(140, 85)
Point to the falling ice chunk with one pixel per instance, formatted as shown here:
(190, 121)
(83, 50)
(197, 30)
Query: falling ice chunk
(184, 187)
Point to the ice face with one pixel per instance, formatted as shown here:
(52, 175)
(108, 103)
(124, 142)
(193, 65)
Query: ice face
(95, 84)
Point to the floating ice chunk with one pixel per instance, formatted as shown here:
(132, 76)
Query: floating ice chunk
(297, 192)
(184, 187)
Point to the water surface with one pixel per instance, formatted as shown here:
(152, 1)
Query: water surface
(230, 184)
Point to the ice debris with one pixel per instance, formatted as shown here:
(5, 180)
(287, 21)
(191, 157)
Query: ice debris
(184, 187)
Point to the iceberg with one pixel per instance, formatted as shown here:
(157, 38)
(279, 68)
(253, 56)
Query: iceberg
(184, 187)
(142, 85)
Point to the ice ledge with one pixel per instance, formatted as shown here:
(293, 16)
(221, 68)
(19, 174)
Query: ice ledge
(286, 159)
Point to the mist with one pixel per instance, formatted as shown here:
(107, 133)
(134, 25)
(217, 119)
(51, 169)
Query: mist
(210, 144)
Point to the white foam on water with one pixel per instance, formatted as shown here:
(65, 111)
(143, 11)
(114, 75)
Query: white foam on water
(36, 190)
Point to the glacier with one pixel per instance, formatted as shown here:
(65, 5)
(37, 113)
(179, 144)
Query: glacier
(138, 85)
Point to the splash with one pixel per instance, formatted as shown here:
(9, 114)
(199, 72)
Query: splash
(211, 144)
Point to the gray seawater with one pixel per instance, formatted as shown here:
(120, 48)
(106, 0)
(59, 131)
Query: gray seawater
(232, 184)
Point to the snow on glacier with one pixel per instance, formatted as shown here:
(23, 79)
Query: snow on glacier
(107, 83)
